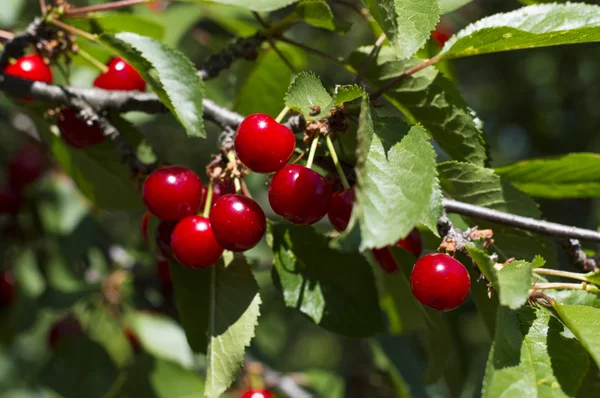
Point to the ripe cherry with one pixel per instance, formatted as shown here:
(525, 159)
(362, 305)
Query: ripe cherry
(7, 288)
(30, 67)
(386, 260)
(412, 243)
(341, 209)
(66, 328)
(120, 76)
(440, 282)
(76, 132)
(441, 34)
(219, 189)
(27, 165)
(10, 199)
(262, 144)
(172, 193)
(194, 244)
(164, 274)
(238, 222)
(257, 394)
(299, 194)
(163, 237)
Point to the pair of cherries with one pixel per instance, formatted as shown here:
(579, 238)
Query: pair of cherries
(437, 280)
(175, 195)
(120, 76)
(297, 193)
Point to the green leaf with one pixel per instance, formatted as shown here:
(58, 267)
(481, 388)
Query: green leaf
(157, 378)
(117, 22)
(325, 384)
(514, 282)
(192, 290)
(531, 357)
(407, 24)
(428, 98)
(308, 272)
(171, 75)
(234, 311)
(396, 180)
(583, 322)
(576, 175)
(479, 186)
(308, 96)
(486, 306)
(529, 27)
(270, 77)
(98, 171)
(447, 6)
(317, 13)
(255, 5)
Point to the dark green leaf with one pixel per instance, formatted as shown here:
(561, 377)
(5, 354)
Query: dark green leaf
(447, 6)
(270, 77)
(234, 311)
(486, 306)
(396, 180)
(479, 186)
(318, 14)
(514, 282)
(530, 357)
(407, 24)
(170, 73)
(119, 22)
(429, 98)
(255, 5)
(576, 175)
(529, 27)
(583, 321)
(308, 272)
(324, 383)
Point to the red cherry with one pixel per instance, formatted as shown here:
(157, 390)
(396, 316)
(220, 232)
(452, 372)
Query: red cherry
(172, 193)
(441, 35)
(133, 340)
(66, 328)
(238, 222)
(219, 189)
(163, 237)
(164, 273)
(440, 282)
(77, 132)
(386, 260)
(120, 76)
(10, 200)
(262, 144)
(257, 394)
(30, 67)
(341, 209)
(299, 194)
(194, 244)
(144, 226)
(7, 288)
(413, 243)
(27, 165)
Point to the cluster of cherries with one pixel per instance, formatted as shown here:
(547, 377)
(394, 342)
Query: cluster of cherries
(77, 133)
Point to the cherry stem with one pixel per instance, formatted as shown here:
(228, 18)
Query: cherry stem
(567, 286)
(336, 162)
(208, 203)
(73, 30)
(85, 55)
(313, 150)
(556, 272)
(236, 180)
(105, 7)
(282, 114)
(237, 184)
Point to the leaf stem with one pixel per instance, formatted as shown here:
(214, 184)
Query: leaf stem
(396, 81)
(313, 150)
(564, 274)
(72, 29)
(367, 61)
(85, 55)
(236, 180)
(336, 162)
(282, 114)
(105, 7)
(567, 286)
(208, 203)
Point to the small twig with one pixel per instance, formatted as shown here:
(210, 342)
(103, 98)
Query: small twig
(577, 256)
(562, 274)
(105, 7)
(85, 55)
(367, 62)
(397, 80)
(566, 286)
(14, 47)
(525, 223)
(312, 50)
